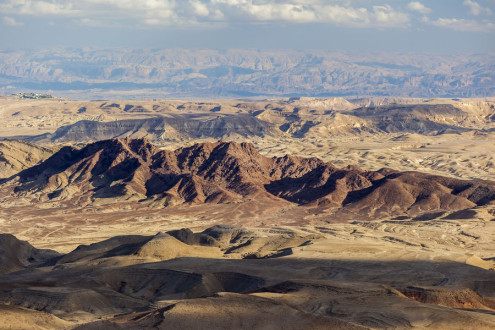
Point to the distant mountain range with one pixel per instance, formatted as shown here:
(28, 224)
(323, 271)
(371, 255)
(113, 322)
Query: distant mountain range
(246, 73)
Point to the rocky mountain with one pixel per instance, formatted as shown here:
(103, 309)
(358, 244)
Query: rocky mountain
(226, 172)
(241, 73)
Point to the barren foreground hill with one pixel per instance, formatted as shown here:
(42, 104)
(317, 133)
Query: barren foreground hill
(234, 277)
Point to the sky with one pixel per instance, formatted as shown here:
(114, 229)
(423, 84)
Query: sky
(439, 26)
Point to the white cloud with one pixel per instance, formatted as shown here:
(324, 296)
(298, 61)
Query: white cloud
(38, 8)
(314, 11)
(475, 8)
(419, 7)
(200, 8)
(464, 25)
(281, 12)
(9, 21)
(387, 16)
(345, 16)
(190, 12)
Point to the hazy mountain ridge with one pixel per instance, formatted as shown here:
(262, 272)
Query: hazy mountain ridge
(211, 73)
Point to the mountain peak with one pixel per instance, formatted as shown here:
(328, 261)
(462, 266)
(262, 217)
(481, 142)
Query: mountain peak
(226, 172)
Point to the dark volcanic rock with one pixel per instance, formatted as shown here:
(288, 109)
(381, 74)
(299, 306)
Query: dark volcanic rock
(226, 172)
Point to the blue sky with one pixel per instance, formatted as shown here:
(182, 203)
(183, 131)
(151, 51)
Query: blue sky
(443, 26)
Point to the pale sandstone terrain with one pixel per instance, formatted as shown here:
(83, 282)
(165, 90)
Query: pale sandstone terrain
(274, 258)
(389, 274)
(304, 127)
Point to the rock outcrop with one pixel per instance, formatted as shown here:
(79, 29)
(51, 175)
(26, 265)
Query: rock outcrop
(228, 172)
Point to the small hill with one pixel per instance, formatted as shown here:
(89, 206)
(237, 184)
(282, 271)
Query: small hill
(17, 155)
(213, 242)
(226, 311)
(14, 317)
(17, 255)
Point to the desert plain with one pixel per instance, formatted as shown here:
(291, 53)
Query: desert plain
(300, 213)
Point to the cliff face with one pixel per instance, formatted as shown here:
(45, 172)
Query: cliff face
(159, 128)
(296, 118)
(227, 172)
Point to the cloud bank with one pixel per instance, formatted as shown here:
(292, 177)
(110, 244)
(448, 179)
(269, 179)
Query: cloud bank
(171, 12)
(152, 14)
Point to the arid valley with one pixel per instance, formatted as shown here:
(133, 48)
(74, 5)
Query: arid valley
(288, 213)
(247, 164)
